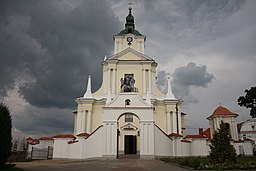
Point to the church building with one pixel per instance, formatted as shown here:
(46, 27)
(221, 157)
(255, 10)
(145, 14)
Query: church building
(128, 109)
(129, 115)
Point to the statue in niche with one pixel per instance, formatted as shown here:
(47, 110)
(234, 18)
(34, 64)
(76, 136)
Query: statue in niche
(127, 83)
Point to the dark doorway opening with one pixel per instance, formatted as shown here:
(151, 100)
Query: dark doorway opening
(130, 144)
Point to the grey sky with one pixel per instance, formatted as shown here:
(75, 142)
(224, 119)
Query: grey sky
(48, 49)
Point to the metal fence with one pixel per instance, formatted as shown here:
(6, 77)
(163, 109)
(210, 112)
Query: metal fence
(17, 156)
(37, 153)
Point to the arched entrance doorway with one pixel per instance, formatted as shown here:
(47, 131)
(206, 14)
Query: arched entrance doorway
(114, 113)
(128, 137)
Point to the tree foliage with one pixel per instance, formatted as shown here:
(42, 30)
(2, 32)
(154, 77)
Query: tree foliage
(5, 133)
(221, 149)
(249, 101)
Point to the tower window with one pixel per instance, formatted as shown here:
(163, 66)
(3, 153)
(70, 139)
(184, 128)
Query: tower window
(128, 118)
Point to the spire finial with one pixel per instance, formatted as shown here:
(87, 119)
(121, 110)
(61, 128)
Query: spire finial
(130, 6)
(129, 25)
(88, 93)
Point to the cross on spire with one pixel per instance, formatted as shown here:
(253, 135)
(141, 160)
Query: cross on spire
(130, 5)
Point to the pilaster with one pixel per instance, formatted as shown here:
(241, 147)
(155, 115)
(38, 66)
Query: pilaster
(147, 143)
(110, 139)
(174, 122)
(168, 124)
(88, 129)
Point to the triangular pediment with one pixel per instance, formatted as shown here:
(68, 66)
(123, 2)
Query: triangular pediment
(129, 127)
(130, 54)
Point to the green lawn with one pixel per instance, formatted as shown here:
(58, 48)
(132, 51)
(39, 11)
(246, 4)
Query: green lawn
(204, 163)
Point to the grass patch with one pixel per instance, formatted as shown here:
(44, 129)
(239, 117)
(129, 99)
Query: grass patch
(243, 163)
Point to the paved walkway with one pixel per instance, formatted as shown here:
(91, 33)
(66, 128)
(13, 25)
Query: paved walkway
(98, 165)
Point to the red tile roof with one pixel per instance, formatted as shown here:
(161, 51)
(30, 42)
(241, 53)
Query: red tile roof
(207, 133)
(195, 136)
(72, 141)
(83, 134)
(46, 139)
(64, 136)
(247, 139)
(222, 111)
(186, 141)
(175, 135)
(33, 142)
(29, 139)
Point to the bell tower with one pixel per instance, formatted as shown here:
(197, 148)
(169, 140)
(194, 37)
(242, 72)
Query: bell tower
(129, 37)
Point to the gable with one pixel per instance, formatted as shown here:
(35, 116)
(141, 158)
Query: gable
(134, 101)
(131, 54)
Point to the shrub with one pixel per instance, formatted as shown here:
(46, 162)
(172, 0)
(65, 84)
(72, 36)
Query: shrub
(221, 149)
(5, 134)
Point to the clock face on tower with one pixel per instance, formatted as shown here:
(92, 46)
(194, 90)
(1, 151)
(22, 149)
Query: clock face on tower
(129, 40)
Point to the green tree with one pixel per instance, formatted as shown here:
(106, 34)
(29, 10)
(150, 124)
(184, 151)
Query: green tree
(249, 101)
(5, 133)
(221, 149)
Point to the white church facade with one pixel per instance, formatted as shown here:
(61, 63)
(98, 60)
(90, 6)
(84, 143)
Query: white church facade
(128, 111)
(128, 114)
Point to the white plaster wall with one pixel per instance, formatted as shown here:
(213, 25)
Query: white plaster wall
(147, 143)
(178, 146)
(92, 146)
(186, 148)
(83, 149)
(163, 144)
(109, 139)
(248, 148)
(60, 148)
(75, 150)
(145, 114)
(236, 145)
(199, 147)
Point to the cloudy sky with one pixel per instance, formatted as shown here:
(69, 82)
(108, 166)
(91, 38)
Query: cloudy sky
(49, 47)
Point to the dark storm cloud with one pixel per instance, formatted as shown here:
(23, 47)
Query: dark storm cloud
(58, 44)
(187, 76)
(192, 75)
(183, 79)
(162, 81)
(41, 121)
(184, 24)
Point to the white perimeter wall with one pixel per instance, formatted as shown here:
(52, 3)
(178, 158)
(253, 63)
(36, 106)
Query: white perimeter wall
(83, 149)
(185, 148)
(163, 144)
(199, 147)
(246, 148)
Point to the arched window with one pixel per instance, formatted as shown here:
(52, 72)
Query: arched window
(227, 126)
(128, 118)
